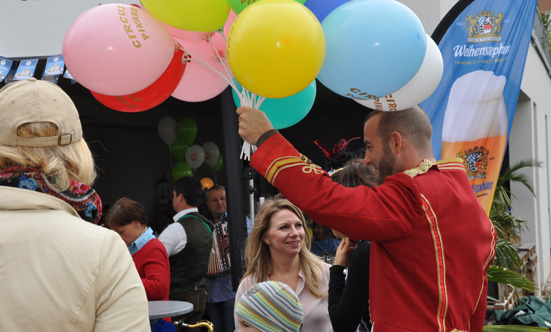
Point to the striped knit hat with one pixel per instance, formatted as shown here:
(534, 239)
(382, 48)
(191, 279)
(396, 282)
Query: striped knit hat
(271, 306)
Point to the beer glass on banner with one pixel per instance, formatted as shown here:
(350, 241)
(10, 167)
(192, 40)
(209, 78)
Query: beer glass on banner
(475, 129)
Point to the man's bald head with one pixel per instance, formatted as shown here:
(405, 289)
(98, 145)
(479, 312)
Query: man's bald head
(412, 123)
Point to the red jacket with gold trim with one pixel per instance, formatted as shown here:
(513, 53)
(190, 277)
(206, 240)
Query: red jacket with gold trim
(432, 242)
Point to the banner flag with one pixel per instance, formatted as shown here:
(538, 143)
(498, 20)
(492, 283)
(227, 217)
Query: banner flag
(484, 45)
(26, 69)
(5, 66)
(54, 66)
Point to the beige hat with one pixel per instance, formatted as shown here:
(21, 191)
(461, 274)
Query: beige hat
(31, 101)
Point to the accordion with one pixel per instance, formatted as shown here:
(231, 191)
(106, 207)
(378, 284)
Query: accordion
(219, 260)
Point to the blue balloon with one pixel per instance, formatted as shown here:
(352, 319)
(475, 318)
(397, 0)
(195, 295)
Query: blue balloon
(321, 8)
(285, 112)
(374, 47)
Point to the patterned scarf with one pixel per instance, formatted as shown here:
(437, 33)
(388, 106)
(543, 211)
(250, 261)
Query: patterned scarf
(80, 196)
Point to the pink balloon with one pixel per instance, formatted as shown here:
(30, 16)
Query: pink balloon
(153, 95)
(199, 82)
(117, 49)
(185, 34)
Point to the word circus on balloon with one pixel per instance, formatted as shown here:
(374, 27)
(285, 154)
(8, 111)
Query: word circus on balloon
(128, 27)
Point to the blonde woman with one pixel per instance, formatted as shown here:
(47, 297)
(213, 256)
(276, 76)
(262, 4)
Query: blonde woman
(58, 272)
(277, 250)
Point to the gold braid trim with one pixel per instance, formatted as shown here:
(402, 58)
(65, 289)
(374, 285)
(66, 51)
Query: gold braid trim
(446, 164)
(451, 163)
(423, 167)
(282, 163)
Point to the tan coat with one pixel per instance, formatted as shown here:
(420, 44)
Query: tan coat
(60, 273)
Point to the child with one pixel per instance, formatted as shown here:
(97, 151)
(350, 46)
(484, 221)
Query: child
(269, 306)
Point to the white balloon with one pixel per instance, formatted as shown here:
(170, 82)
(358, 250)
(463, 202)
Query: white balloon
(211, 153)
(419, 88)
(168, 129)
(195, 156)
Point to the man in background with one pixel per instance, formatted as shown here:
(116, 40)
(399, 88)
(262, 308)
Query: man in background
(188, 242)
(220, 294)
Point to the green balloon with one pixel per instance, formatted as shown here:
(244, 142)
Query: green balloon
(181, 169)
(187, 130)
(238, 5)
(216, 167)
(178, 149)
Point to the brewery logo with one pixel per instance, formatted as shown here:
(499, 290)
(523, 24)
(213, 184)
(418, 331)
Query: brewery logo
(486, 27)
(476, 162)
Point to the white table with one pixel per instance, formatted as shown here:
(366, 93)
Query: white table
(162, 309)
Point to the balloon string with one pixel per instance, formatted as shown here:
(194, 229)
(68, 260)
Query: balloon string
(254, 101)
(247, 150)
(259, 102)
(188, 56)
(222, 60)
(246, 97)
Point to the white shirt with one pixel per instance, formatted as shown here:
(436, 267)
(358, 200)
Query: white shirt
(174, 237)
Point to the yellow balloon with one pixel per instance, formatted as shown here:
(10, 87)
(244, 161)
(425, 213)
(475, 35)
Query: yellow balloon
(191, 15)
(275, 48)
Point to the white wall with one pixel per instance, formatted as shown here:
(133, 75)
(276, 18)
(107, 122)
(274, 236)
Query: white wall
(522, 146)
(530, 139)
(36, 28)
(430, 12)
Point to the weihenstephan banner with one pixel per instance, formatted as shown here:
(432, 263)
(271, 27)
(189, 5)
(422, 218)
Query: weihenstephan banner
(484, 45)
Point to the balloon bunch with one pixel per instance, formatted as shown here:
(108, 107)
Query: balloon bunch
(269, 51)
(130, 62)
(270, 61)
(180, 137)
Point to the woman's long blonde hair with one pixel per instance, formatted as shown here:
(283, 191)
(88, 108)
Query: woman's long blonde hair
(257, 252)
(59, 163)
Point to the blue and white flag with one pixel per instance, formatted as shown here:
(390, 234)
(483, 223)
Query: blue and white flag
(10, 78)
(484, 45)
(5, 66)
(26, 69)
(54, 66)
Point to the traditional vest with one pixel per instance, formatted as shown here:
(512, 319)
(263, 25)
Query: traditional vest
(189, 266)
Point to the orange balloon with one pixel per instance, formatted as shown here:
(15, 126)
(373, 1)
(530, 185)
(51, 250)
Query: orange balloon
(207, 183)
